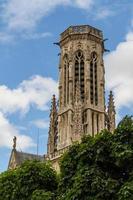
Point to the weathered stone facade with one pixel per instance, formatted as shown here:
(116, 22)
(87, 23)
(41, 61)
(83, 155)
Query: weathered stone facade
(81, 108)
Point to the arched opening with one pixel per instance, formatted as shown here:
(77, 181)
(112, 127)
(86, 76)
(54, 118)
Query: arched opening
(79, 72)
(93, 79)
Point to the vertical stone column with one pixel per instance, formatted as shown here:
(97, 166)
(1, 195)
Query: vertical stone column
(70, 83)
(87, 81)
(95, 123)
(101, 121)
(67, 82)
(60, 87)
(89, 122)
(69, 129)
(59, 133)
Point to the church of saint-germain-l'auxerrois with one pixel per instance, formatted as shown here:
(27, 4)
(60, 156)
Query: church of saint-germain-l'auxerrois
(81, 106)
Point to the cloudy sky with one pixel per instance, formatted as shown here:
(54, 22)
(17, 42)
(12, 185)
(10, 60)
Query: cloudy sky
(29, 62)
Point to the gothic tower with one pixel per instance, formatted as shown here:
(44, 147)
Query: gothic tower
(81, 106)
(81, 84)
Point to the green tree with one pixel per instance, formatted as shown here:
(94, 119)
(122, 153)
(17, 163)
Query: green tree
(22, 182)
(42, 195)
(126, 191)
(100, 168)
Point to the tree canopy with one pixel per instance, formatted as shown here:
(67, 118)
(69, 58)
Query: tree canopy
(99, 168)
(32, 179)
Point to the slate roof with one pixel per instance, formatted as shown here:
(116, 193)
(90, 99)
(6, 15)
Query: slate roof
(21, 157)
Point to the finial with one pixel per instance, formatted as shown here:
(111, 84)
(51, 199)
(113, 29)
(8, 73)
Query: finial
(14, 142)
(111, 101)
(54, 102)
(53, 99)
(111, 93)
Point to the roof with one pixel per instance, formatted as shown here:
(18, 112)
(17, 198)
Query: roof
(81, 29)
(21, 157)
(17, 158)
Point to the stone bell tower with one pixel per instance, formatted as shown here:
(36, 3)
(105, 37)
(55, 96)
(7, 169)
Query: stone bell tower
(81, 84)
(81, 107)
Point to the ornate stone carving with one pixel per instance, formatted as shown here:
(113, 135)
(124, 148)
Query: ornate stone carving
(111, 113)
(77, 116)
(53, 129)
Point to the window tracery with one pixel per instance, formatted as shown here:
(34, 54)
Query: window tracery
(79, 72)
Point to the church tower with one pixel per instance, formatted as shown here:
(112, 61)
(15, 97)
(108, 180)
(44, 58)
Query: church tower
(81, 106)
(81, 84)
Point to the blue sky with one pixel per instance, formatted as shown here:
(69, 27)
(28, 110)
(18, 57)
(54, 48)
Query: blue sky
(29, 62)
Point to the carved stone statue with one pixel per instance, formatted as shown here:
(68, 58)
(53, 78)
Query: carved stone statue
(14, 142)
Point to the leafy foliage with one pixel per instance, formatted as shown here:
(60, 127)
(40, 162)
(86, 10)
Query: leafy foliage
(100, 168)
(126, 191)
(42, 195)
(22, 182)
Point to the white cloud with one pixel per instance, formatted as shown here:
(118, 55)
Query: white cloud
(129, 36)
(40, 123)
(9, 37)
(104, 12)
(35, 36)
(8, 131)
(84, 4)
(6, 37)
(119, 72)
(36, 91)
(24, 14)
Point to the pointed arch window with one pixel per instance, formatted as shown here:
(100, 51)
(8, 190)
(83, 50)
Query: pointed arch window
(79, 72)
(93, 79)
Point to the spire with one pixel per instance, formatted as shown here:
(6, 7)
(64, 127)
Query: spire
(53, 105)
(111, 106)
(14, 142)
(52, 138)
(111, 112)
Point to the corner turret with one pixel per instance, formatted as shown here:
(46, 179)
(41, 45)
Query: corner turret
(53, 130)
(111, 113)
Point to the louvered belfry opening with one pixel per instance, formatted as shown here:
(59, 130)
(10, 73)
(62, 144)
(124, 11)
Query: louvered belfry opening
(93, 79)
(79, 72)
